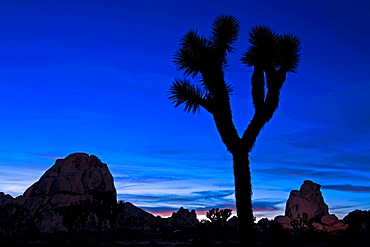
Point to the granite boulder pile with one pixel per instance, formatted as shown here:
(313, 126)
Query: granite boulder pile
(76, 181)
(306, 206)
(77, 194)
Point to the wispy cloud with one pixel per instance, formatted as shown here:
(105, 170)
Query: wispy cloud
(195, 154)
(52, 157)
(197, 196)
(212, 194)
(320, 172)
(348, 188)
(340, 207)
(265, 206)
(148, 178)
(201, 201)
(172, 151)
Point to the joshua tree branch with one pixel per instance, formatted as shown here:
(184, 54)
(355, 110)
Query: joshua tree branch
(264, 113)
(221, 110)
(258, 88)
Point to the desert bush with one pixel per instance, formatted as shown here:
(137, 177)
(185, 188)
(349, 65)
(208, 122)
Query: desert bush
(302, 224)
(218, 216)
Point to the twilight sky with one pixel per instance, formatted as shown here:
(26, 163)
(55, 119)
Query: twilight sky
(92, 76)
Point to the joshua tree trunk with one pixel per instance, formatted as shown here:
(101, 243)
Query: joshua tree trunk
(243, 196)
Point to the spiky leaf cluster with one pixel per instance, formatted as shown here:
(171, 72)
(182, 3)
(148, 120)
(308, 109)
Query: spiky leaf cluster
(225, 31)
(193, 53)
(196, 52)
(269, 50)
(192, 96)
(201, 56)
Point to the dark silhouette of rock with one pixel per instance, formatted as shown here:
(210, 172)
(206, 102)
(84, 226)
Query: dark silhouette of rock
(69, 182)
(130, 210)
(184, 218)
(358, 220)
(77, 194)
(131, 217)
(5, 199)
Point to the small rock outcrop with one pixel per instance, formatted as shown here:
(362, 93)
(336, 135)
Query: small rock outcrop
(306, 208)
(358, 220)
(331, 223)
(184, 218)
(284, 221)
(131, 217)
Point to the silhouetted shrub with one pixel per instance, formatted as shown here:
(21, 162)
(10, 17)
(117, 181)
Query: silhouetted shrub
(216, 215)
(302, 224)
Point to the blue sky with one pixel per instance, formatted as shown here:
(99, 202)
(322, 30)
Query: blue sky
(92, 76)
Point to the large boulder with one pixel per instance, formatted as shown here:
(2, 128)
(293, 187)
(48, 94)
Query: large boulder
(76, 183)
(284, 221)
(307, 200)
(331, 223)
(306, 208)
(78, 175)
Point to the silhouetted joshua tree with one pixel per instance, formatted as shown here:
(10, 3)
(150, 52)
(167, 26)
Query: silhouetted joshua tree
(271, 55)
(218, 216)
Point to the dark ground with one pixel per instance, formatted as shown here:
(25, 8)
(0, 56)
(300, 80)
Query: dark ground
(209, 237)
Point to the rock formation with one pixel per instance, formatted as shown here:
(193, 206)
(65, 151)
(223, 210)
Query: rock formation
(77, 175)
(306, 208)
(131, 217)
(77, 194)
(284, 221)
(308, 199)
(184, 218)
(78, 180)
(359, 220)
